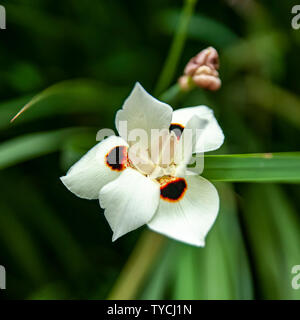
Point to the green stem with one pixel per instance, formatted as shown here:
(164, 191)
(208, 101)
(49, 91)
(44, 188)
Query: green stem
(137, 267)
(171, 63)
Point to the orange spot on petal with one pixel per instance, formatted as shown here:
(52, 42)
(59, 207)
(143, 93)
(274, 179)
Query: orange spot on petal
(117, 159)
(177, 128)
(173, 190)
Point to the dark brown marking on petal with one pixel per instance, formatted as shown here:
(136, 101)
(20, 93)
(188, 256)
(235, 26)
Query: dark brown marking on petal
(116, 158)
(177, 129)
(173, 190)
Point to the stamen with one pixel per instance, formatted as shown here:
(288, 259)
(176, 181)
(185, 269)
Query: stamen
(117, 158)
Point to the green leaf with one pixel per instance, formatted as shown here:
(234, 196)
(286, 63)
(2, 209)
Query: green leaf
(186, 273)
(274, 99)
(23, 249)
(137, 267)
(201, 28)
(63, 98)
(159, 280)
(220, 270)
(46, 224)
(260, 167)
(9, 108)
(272, 227)
(75, 146)
(172, 60)
(223, 268)
(230, 233)
(33, 145)
(51, 291)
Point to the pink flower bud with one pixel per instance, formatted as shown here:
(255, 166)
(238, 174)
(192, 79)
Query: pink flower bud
(207, 78)
(202, 71)
(185, 82)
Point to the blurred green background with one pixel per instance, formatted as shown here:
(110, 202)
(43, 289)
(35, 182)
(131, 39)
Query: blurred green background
(57, 246)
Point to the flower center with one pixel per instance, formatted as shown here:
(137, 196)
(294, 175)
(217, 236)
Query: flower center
(157, 160)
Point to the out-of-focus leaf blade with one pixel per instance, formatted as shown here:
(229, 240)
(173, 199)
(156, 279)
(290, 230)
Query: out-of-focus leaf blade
(233, 243)
(200, 28)
(66, 97)
(9, 108)
(263, 167)
(177, 45)
(33, 145)
(274, 99)
(137, 267)
(23, 249)
(186, 273)
(75, 147)
(220, 270)
(223, 268)
(52, 291)
(39, 214)
(273, 232)
(159, 280)
(262, 53)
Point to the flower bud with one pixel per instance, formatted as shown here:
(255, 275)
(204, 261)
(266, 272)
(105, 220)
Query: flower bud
(201, 71)
(207, 78)
(185, 82)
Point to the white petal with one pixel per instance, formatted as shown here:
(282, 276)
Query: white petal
(142, 111)
(187, 143)
(87, 176)
(212, 137)
(189, 219)
(130, 201)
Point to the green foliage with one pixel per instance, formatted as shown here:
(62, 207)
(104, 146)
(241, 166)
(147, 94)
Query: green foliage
(32, 145)
(266, 167)
(273, 231)
(218, 271)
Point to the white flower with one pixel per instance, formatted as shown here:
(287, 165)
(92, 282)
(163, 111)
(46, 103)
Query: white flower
(167, 197)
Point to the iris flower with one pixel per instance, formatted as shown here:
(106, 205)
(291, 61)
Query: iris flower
(133, 183)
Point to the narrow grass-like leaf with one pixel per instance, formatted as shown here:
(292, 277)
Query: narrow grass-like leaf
(172, 60)
(38, 213)
(186, 273)
(66, 97)
(201, 28)
(273, 231)
(220, 270)
(163, 271)
(223, 269)
(52, 291)
(22, 247)
(264, 167)
(137, 267)
(75, 146)
(233, 243)
(274, 99)
(33, 145)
